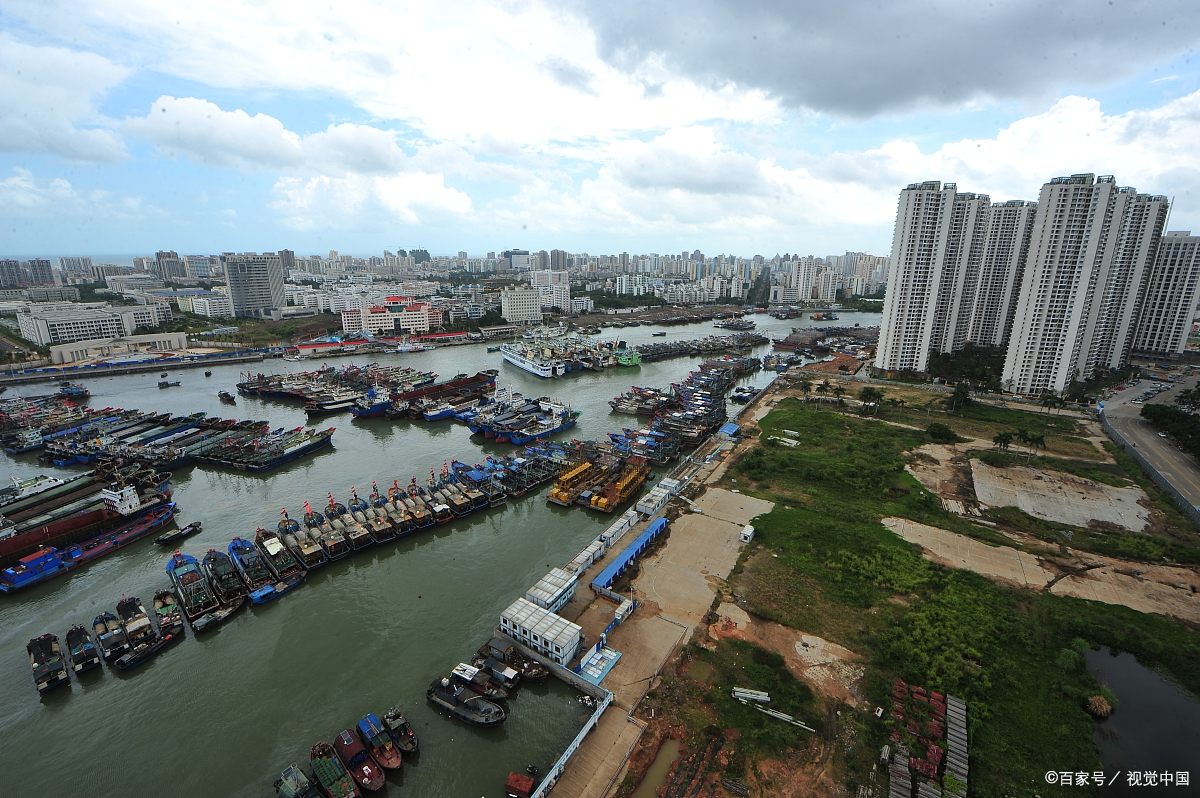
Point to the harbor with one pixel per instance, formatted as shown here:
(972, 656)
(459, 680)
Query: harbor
(365, 633)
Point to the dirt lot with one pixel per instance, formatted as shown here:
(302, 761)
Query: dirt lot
(1157, 589)
(1060, 497)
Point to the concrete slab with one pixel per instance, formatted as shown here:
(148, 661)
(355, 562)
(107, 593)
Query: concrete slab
(735, 508)
(680, 577)
(957, 551)
(591, 770)
(1110, 586)
(645, 642)
(1060, 497)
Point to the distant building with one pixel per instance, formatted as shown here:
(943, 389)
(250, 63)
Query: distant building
(169, 266)
(76, 266)
(376, 320)
(59, 324)
(125, 345)
(198, 266)
(214, 306)
(521, 305)
(1171, 295)
(255, 283)
(582, 304)
(556, 296)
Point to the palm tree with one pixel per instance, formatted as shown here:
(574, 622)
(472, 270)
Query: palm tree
(805, 386)
(1003, 440)
(838, 390)
(823, 387)
(1048, 399)
(929, 406)
(870, 396)
(1035, 442)
(1023, 436)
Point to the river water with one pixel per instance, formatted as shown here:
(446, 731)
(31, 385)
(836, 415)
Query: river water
(223, 714)
(1156, 727)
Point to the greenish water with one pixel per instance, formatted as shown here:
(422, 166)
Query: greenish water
(223, 714)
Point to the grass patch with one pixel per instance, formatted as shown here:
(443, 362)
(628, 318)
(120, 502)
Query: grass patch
(839, 571)
(1107, 473)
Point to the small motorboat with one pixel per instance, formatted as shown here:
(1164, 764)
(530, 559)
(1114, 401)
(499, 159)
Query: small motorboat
(46, 660)
(401, 730)
(176, 535)
(331, 773)
(165, 384)
(207, 373)
(478, 681)
(659, 334)
(82, 651)
(109, 635)
(381, 745)
(227, 397)
(163, 374)
(274, 590)
(292, 783)
(213, 619)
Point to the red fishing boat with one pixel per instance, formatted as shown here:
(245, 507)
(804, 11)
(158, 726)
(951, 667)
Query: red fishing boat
(358, 760)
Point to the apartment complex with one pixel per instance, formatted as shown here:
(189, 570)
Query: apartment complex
(255, 283)
(1064, 285)
(1171, 294)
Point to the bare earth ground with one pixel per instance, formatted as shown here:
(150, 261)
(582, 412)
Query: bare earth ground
(1158, 589)
(1061, 497)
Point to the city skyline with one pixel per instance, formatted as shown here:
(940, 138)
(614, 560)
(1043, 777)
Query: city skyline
(580, 127)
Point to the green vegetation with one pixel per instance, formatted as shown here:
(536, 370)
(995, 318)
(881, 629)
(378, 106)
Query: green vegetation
(1107, 473)
(607, 301)
(1183, 427)
(869, 304)
(837, 572)
(981, 365)
(940, 433)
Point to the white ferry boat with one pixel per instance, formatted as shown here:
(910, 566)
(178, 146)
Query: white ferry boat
(532, 360)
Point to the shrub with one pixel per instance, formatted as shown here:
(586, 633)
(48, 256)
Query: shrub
(941, 433)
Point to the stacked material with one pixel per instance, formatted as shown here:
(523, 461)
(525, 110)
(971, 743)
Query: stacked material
(956, 743)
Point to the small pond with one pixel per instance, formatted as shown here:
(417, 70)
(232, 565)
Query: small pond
(1156, 726)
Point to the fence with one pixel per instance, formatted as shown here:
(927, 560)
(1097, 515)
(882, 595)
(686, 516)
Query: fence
(1188, 508)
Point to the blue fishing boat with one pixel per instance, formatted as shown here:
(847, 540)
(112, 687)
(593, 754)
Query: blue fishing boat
(371, 405)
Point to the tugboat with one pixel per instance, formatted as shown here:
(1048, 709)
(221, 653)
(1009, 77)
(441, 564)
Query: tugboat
(81, 649)
(292, 783)
(176, 535)
(250, 563)
(358, 760)
(227, 584)
(166, 612)
(109, 635)
(463, 704)
(227, 397)
(135, 621)
(331, 773)
(401, 730)
(46, 660)
(380, 744)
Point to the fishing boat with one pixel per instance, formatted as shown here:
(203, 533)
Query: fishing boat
(504, 651)
(135, 620)
(358, 760)
(226, 583)
(463, 704)
(276, 554)
(380, 744)
(207, 373)
(166, 384)
(46, 661)
(191, 588)
(140, 654)
(82, 651)
(250, 564)
(292, 783)
(274, 590)
(109, 635)
(305, 548)
(227, 397)
(401, 731)
(331, 773)
(371, 404)
(176, 535)
(167, 613)
(213, 619)
(478, 681)
(659, 334)
(49, 562)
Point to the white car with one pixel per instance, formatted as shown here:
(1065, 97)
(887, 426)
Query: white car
(1162, 434)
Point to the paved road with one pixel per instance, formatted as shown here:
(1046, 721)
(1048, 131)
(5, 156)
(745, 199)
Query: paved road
(1179, 468)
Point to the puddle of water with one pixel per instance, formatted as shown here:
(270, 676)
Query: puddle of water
(700, 670)
(656, 776)
(1156, 726)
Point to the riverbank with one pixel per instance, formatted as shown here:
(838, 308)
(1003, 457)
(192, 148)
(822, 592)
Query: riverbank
(829, 607)
(74, 373)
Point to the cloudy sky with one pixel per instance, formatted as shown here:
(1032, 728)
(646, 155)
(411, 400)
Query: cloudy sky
(742, 126)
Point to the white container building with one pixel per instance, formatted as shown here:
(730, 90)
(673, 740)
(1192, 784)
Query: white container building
(553, 590)
(542, 630)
